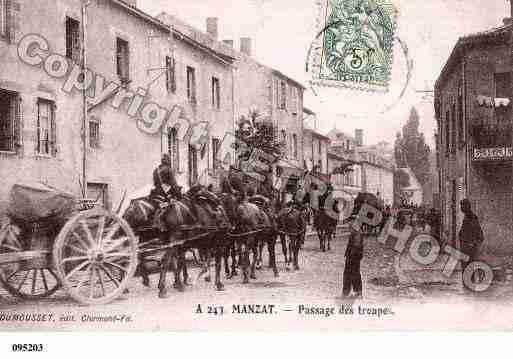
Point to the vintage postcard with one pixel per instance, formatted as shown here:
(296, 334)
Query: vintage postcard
(173, 166)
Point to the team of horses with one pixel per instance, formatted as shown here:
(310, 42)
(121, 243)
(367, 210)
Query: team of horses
(220, 227)
(229, 228)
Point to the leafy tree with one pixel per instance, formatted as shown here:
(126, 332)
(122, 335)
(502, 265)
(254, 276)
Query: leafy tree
(255, 132)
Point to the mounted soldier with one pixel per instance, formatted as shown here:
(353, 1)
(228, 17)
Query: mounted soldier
(164, 181)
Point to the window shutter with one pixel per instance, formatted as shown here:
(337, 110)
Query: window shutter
(173, 75)
(127, 62)
(9, 19)
(12, 8)
(38, 142)
(168, 73)
(53, 131)
(17, 123)
(277, 87)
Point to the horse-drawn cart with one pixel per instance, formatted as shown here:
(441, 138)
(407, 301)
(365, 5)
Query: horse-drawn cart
(50, 242)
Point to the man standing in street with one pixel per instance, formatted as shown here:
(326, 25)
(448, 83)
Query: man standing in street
(470, 235)
(354, 254)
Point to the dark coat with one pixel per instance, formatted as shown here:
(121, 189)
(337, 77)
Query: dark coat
(471, 234)
(355, 244)
(165, 182)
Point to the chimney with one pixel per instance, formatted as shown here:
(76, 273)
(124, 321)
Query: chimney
(131, 2)
(229, 43)
(358, 135)
(245, 45)
(212, 27)
(508, 20)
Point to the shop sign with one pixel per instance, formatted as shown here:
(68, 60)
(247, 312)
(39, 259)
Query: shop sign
(492, 154)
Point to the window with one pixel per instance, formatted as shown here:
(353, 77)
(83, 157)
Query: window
(294, 145)
(94, 132)
(73, 48)
(99, 192)
(320, 148)
(283, 103)
(193, 166)
(216, 146)
(454, 133)
(447, 132)
(284, 138)
(216, 95)
(9, 121)
(174, 148)
(123, 60)
(3, 18)
(170, 74)
(503, 90)
(46, 128)
(191, 84)
(461, 129)
(277, 87)
(294, 100)
(320, 166)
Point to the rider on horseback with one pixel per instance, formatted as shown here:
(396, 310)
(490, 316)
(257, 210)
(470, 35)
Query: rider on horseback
(164, 181)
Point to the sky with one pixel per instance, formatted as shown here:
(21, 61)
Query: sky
(282, 31)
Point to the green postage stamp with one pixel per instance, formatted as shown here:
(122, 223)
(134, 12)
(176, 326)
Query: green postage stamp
(354, 44)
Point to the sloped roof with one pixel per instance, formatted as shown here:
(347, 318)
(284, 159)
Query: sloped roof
(316, 134)
(141, 14)
(197, 38)
(497, 35)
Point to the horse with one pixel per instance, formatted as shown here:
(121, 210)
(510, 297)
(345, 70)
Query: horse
(229, 203)
(292, 225)
(193, 222)
(268, 235)
(208, 235)
(326, 221)
(251, 222)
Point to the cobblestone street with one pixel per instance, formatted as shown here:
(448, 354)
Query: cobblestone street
(317, 284)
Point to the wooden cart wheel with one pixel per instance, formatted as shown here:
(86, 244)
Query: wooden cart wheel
(96, 256)
(19, 279)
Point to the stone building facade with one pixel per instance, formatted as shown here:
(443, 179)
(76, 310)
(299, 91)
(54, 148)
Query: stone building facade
(473, 111)
(316, 147)
(373, 170)
(169, 68)
(377, 175)
(42, 124)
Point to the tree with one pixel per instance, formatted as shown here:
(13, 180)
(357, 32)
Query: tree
(256, 133)
(413, 150)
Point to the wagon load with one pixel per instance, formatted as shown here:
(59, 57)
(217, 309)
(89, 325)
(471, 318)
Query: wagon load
(36, 202)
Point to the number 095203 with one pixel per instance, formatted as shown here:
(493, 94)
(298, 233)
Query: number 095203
(27, 347)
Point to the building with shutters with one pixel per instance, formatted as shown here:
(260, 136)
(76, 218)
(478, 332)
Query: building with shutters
(41, 125)
(43, 135)
(474, 117)
(373, 167)
(316, 146)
